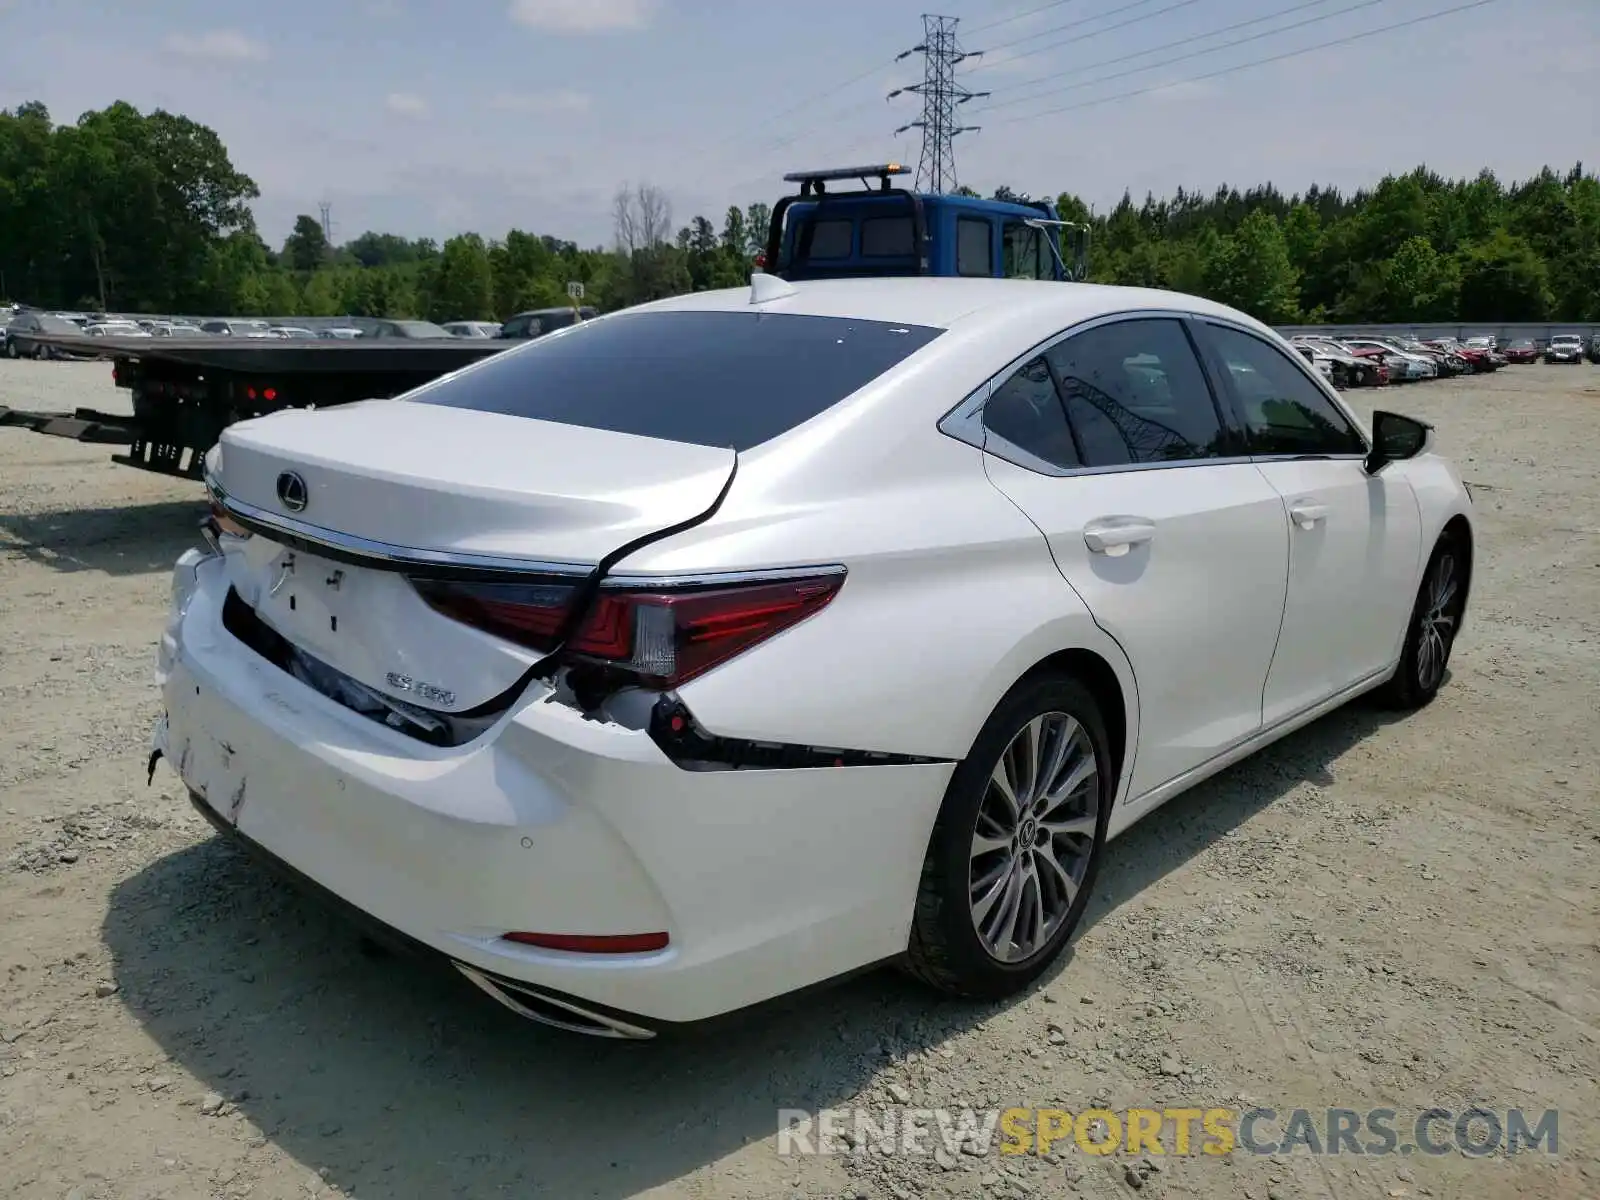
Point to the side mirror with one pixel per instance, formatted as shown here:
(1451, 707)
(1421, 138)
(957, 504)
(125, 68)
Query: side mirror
(1395, 439)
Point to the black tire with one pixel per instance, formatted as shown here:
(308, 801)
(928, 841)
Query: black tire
(41, 352)
(1418, 678)
(11, 349)
(945, 950)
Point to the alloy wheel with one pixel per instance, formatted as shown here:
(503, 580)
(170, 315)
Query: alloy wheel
(1436, 627)
(1034, 836)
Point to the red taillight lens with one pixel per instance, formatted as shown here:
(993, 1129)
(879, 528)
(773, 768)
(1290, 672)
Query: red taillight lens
(663, 637)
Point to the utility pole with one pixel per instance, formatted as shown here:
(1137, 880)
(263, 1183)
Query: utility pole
(941, 96)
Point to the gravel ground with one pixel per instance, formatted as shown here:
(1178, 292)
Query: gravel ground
(1374, 912)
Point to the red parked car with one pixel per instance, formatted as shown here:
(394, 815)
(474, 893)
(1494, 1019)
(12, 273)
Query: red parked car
(1521, 351)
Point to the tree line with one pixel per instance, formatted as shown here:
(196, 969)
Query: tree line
(146, 212)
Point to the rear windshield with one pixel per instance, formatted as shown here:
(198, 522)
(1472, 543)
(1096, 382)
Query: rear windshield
(709, 378)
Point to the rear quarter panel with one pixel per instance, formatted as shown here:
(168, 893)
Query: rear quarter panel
(951, 597)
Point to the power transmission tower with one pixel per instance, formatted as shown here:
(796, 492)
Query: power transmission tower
(941, 96)
(327, 221)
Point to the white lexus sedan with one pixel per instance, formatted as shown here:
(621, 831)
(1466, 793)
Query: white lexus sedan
(728, 644)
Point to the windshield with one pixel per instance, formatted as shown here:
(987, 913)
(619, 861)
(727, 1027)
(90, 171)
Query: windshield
(1565, 339)
(733, 379)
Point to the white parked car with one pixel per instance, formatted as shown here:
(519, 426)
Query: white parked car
(1564, 347)
(473, 329)
(851, 637)
(118, 329)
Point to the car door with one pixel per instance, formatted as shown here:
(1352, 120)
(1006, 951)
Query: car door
(1355, 539)
(1112, 443)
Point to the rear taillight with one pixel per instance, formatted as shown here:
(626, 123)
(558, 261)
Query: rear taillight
(660, 637)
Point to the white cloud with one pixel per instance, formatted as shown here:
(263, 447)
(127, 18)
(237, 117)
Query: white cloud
(226, 44)
(563, 101)
(582, 16)
(406, 104)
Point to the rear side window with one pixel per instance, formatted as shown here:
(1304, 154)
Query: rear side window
(1135, 393)
(1026, 411)
(974, 247)
(732, 379)
(830, 239)
(887, 237)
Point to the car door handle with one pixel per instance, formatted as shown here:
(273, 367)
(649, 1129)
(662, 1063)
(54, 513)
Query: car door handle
(1115, 536)
(1306, 514)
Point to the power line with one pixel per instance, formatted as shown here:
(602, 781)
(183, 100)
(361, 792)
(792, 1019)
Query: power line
(796, 107)
(808, 130)
(1183, 41)
(1260, 62)
(1019, 16)
(1177, 58)
(1084, 37)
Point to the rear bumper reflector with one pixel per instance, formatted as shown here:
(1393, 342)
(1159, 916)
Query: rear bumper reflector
(581, 943)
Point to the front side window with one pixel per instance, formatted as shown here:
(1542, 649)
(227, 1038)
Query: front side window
(1135, 394)
(730, 379)
(1026, 256)
(1283, 411)
(974, 247)
(1026, 411)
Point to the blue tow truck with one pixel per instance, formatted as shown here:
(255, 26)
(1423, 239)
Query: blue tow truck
(879, 229)
(185, 391)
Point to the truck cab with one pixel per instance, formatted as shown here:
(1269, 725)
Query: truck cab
(890, 231)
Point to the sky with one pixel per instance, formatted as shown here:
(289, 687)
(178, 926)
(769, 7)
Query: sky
(428, 118)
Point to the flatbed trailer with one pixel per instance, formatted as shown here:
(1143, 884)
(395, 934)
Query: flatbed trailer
(185, 391)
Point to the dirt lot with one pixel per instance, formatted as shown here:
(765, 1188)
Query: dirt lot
(1372, 913)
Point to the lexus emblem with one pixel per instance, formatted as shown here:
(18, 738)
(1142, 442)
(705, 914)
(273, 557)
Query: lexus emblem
(292, 492)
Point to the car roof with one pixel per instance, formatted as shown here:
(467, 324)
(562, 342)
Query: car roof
(945, 303)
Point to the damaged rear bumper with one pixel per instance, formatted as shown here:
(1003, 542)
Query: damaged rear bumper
(554, 823)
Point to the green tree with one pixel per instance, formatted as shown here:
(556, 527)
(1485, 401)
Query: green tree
(1504, 280)
(1251, 271)
(462, 286)
(306, 248)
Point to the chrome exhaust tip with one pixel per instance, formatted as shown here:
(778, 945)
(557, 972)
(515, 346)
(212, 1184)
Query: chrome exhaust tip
(528, 1001)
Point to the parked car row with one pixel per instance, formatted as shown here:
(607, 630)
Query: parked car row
(1368, 360)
